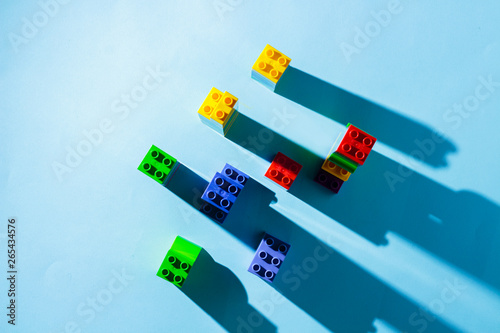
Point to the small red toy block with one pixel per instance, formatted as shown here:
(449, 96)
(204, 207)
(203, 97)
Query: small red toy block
(356, 144)
(283, 170)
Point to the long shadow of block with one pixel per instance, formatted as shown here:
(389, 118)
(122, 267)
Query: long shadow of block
(345, 107)
(215, 289)
(462, 227)
(337, 293)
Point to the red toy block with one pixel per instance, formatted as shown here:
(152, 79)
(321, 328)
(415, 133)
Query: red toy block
(356, 144)
(283, 170)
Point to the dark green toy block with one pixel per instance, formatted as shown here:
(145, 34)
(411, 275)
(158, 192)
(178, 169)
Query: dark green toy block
(158, 165)
(178, 261)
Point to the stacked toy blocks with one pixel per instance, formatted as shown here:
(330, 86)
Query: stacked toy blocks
(270, 66)
(268, 258)
(283, 170)
(222, 192)
(158, 165)
(352, 151)
(218, 111)
(178, 261)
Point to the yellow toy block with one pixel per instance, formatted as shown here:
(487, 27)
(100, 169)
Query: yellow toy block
(224, 108)
(271, 64)
(210, 103)
(335, 170)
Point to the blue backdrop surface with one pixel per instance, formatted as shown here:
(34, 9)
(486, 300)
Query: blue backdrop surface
(410, 243)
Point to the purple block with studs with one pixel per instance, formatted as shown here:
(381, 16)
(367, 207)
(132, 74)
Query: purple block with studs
(329, 181)
(269, 257)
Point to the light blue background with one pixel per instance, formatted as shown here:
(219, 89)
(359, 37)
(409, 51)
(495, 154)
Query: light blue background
(395, 251)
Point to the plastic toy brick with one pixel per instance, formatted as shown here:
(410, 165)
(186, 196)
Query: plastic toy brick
(209, 104)
(335, 170)
(283, 170)
(158, 165)
(269, 257)
(270, 66)
(178, 261)
(218, 110)
(224, 108)
(221, 192)
(356, 144)
(235, 174)
(329, 181)
(215, 213)
(343, 162)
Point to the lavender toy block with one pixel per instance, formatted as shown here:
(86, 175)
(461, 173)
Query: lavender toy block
(268, 258)
(329, 181)
(216, 214)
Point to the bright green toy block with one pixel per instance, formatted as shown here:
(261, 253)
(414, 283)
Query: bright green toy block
(178, 261)
(158, 165)
(343, 162)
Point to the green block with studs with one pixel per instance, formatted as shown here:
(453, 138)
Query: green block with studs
(343, 162)
(178, 261)
(158, 165)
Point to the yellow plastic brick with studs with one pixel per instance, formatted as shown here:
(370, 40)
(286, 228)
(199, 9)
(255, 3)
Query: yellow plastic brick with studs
(210, 103)
(224, 108)
(335, 170)
(271, 63)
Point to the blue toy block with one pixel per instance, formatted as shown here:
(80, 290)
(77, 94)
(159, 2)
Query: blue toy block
(216, 214)
(235, 174)
(221, 192)
(269, 257)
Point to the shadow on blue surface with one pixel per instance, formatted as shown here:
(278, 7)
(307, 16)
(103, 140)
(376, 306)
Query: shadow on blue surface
(462, 228)
(345, 107)
(326, 285)
(215, 289)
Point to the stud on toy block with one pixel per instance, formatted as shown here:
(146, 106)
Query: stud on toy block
(235, 174)
(283, 170)
(213, 212)
(356, 144)
(178, 261)
(158, 165)
(270, 66)
(343, 162)
(269, 257)
(335, 170)
(329, 181)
